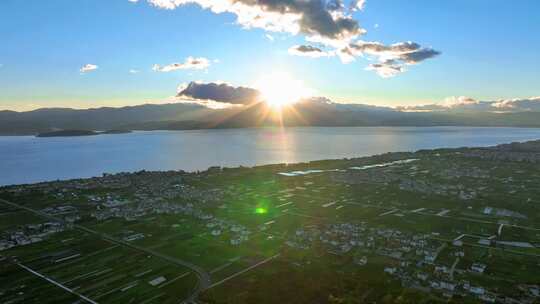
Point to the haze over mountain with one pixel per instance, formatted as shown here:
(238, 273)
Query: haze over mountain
(221, 105)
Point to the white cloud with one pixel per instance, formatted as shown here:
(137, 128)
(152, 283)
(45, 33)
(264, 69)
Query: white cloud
(328, 23)
(133, 1)
(133, 71)
(518, 105)
(316, 19)
(358, 5)
(464, 104)
(453, 101)
(88, 68)
(211, 104)
(190, 63)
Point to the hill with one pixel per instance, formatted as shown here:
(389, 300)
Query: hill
(182, 116)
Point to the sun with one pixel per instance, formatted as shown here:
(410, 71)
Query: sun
(279, 89)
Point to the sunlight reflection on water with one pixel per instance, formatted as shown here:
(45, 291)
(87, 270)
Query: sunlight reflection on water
(26, 159)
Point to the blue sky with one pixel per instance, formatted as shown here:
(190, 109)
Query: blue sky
(489, 50)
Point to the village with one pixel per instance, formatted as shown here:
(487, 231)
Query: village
(421, 219)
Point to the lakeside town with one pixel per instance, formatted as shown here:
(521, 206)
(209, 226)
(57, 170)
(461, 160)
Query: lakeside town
(448, 225)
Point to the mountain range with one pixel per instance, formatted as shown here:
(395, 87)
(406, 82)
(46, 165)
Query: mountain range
(309, 112)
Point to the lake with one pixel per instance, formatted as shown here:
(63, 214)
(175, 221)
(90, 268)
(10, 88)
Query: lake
(27, 159)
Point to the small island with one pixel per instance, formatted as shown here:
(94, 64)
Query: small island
(76, 133)
(117, 131)
(67, 133)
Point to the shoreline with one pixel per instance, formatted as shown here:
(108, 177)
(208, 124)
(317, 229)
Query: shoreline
(289, 166)
(100, 132)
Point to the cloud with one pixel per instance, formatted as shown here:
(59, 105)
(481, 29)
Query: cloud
(133, 71)
(309, 51)
(419, 55)
(465, 104)
(358, 5)
(190, 63)
(408, 52)
(326, 22)
(392, 58)
(518, 105)
(323, 21)
(453, 101)
(220, 92)
(133, 1)
(386, 69)
(269, 37)
(88, 68)
(454, 104)
(393, 51)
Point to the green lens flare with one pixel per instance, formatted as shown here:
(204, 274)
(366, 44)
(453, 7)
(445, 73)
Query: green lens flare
(261, 210)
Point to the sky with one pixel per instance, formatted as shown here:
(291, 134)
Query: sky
(93, 53)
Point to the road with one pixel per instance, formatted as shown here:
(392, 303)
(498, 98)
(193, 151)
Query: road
(204, 281)
(245, 270)
(57, 284)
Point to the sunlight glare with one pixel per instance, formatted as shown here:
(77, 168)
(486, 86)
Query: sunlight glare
(280, 89)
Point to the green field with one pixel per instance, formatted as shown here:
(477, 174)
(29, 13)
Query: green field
(388, 234)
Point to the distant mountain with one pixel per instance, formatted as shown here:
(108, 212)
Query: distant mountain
(312, 112)
(45, 120)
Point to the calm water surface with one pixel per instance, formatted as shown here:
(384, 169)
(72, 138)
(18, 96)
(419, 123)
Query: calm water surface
(27, 159)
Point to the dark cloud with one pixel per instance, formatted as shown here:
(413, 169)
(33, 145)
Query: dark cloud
(377, 48)
(335, 5)
(367, 47)
(316, 18)
(386, 69)
(326, 22)
(419, 55)
(408, 52)
(392, 57)
(309, 51)
(220, 92)
(190, 63)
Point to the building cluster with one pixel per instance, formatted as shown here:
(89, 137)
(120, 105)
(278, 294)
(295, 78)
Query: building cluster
(29, 234)
(66, 213)
(431, 188)
(416, 259)
(167, 194)
(131, 211)
(347, 237)
(455, 171)
(237, 233)
(409, 179)
(503, 155)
